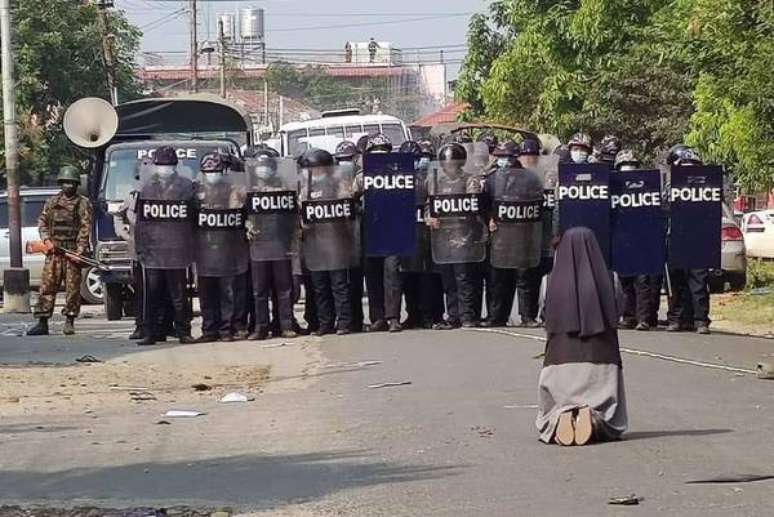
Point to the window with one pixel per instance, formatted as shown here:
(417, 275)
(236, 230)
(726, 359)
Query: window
(395, 133)
(335, 131)
(354, 131)
(3, 214)
(31, 210)
(371, 129)
(296, 145)
(318, 131)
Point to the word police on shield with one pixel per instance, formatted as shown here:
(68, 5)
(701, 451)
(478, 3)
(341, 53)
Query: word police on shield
(389, 204)
(158, 210)
(455, 205)
(329, 210)
(272, 202)
(220, 219)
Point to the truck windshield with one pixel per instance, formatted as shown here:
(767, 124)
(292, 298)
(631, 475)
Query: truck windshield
(122, 166)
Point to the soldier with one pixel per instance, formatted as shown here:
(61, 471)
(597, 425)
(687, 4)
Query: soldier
(272, 231)
(382, 274)
(422, 286)
(347, 156)
(329, 244)
(163, 236)
(609, 148)
(458, 233)
(221, 249)
(64, 224)
(580, 147)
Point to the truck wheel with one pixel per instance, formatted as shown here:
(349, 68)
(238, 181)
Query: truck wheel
(114, 307)
(91, 287)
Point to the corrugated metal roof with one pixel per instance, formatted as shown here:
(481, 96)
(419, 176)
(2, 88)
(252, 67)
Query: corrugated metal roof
(445, 115)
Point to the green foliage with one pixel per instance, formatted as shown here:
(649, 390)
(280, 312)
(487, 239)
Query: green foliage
(760, 273)
(655, 73)
(58, 60)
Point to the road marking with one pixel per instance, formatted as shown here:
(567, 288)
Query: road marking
(632, 351)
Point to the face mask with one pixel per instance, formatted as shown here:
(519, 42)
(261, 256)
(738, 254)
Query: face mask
(423, 163)
(213, 178)
(579, 155)
(69, 189)
(627, 167)
(503, 163)
(165, 171)
(264, 172)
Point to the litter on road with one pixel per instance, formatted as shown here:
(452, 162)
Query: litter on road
(183, 413)
(629, 500)
(88, 359)
(741, 478)
(359, 364)
(765, 371)
(201, 387)
(235, 397)
(389, 384)
(521, 406)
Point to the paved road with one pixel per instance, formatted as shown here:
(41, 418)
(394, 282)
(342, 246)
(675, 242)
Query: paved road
(458, 441)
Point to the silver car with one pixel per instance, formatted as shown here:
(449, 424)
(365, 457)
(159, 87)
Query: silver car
(732, 274)
(32, 201)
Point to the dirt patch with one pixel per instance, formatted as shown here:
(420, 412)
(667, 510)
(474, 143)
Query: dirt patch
(749, 313)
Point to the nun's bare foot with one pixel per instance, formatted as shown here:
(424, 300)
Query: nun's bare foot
(583, 426)
(565, 432)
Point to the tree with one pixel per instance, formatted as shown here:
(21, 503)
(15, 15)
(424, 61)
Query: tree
(59, 59)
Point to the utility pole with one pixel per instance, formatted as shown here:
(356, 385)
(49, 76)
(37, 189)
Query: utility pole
(107, 48)
(194, 50)
(222, 48)
(16, 279)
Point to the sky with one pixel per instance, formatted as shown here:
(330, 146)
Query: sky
(297, 23)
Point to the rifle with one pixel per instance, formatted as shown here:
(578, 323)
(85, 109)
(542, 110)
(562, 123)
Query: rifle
(35, 247)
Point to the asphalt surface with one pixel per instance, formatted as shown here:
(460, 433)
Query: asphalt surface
(459, 440)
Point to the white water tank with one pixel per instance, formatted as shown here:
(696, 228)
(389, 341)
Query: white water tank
(229, 26)
(251, 24)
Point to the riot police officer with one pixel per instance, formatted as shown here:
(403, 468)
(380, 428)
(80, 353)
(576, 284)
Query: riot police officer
(272, 234)
(220, 249)
(348, 155)
(163, 235)
(528, 288)
(689, 302)
(458, 233)
(609, 148)
(580, 146)
(329, 237)
(422, 286)
(64, 224)
(382, 274)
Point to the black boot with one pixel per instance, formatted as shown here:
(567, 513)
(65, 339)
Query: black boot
(137, 334)
(69, 326)
(41, 329)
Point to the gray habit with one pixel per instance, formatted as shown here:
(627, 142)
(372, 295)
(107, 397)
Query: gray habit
(582, 365)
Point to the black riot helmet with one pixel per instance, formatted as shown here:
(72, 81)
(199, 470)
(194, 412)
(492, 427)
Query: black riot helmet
(509, 149)
(411, 147)
(681, 154)
(379, 143)
(626, 160)
(529, 147)
(346, 151)
(315, 158)
(609, 148)
(165, 155)
(428, 149)
(452, 152)
(491, 141)
(264, 158)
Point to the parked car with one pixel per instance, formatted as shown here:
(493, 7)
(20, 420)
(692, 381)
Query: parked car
(732, 274)
(758, 229)
(32, 201)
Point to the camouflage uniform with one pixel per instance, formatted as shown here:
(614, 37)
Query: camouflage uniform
(66, 222)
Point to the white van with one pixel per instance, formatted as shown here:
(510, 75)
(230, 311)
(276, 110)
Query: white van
(336, 126)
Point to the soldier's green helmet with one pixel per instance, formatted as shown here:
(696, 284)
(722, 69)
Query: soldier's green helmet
(69, 173)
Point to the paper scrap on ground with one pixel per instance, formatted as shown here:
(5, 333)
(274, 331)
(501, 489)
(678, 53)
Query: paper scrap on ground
(389, 384)
(235, 397)
(183, 413)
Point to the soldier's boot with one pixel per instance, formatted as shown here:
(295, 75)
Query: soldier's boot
(69, 326)
(41, 329)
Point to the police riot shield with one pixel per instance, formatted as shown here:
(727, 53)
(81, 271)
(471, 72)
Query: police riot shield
(329, 218)
(164, 228)
(221, 247)
(638, 230)
(584, 200)
(272, 210)
(456, 205)
(478, 158)
(421, 260)
(696, 197)
(548, 167)
(388, 204)
(517, 212)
